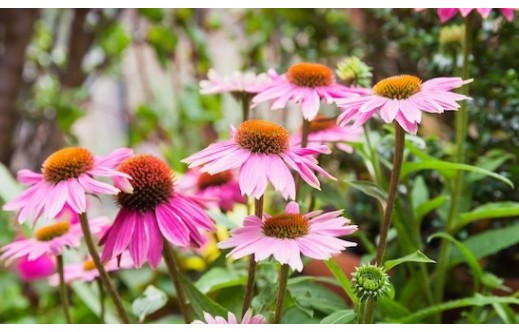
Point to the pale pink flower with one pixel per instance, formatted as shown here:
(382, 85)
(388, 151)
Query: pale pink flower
(324, 130)
(236, 83)
(154, 211)
(262, 152)
(289, 235)
(447, 13)
(217, 190)
(67, 176)
(51, 239)
(86, 271)
(231, 319)
(403, 98)
(306, 84)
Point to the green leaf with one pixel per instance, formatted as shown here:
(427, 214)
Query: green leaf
(340, 317)
(199, 301)
(219, 278)
(91, 299)
(478, 301)
(9, 188)
(489, 211)
(150, 301)
(419, 193)
(370, 189)
(417, 257)
(490, 161)
(310, 295)
(343, 280)
(425, 208)
(411, 167)
(466, 252)
(488, 243)
(221, 219)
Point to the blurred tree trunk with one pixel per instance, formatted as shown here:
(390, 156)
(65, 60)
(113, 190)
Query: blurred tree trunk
(16, 28)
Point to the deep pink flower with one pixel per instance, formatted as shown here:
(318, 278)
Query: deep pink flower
(231, 319)
(153, 211)
(238, 82)
(289, 235)
(403, 98)
(49, 240)
(86, 271)
(447, 13)
(306, 84)
(40, 268)
(217, 190)
(262, 151)
(67, 176)
(324, 130)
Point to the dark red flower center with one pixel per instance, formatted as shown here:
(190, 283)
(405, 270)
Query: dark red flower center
(398, 87)
(206, 180)
(320, 123)
(286, 226)
(152, 182)
(53, 231)
(67, 163)
(259, 136)
(310, 75)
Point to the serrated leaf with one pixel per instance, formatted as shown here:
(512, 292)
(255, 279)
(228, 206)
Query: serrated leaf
(340, 317)
(417, 257)
(150, 301)
(411, 167)
(489, 211)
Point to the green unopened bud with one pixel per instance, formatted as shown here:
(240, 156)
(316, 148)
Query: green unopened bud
(353, 71)
(370, 281)
(451, 36)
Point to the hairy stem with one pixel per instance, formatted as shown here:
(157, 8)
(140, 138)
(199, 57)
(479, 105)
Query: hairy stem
(249, 289)
(461, 132)
(63, 290)
(174, 273)
(283, 280)
(105, 278)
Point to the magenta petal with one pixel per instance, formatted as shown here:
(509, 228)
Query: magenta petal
(26, 176)
(96, 187)
(156, 243)
(77, 196)
(139, 243)
(171, 226)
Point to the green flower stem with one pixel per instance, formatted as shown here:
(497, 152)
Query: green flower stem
(245, 106)
(388, 212)
(283, 280)
(105, 278)
(101, 301)
(461, 132)
(63, 290)
(249, 289)
(174, 274)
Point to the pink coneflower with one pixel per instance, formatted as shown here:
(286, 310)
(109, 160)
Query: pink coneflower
(67, 176)
(231, 319)
(289, 235)
(306, 84)
(236, 84)
(49, 240)
(152, 212)
(324, 130)
(219, 190)
(86, 271)
(403, 98)
(262, 151)
(447, 13)
(39, 268)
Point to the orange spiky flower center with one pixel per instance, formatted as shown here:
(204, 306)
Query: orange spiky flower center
(398, 87)
(206, 180)
(310, 75)
(67, 163)
(320, 123)
(286, 226)
(53, 231)
(152, 182)
(259, 136)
